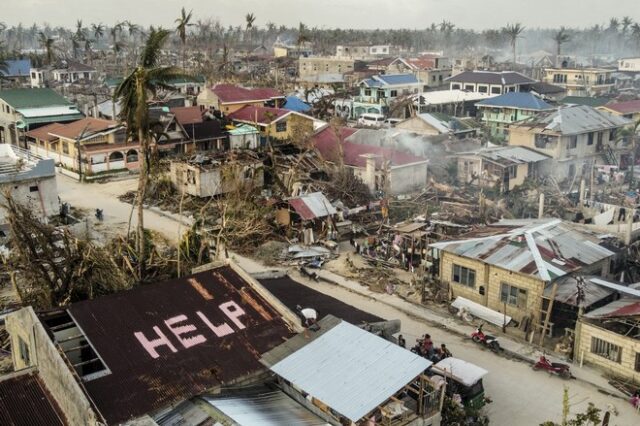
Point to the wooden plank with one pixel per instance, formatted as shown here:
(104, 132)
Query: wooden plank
(547, 316)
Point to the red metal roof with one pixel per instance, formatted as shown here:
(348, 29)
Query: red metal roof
(312, 206)
(89, 125)
(327, 143)
(628, 107)
(624, 307)
(230, 93)
(25, 401)
(42, 133)
(170, 341)
(260, 115)
(187, 115)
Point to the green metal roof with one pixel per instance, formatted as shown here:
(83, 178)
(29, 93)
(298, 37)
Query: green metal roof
(32, 98)
(584, 100)
(243, 129)
(24, 122)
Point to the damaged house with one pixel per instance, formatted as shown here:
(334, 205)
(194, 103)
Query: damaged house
(132, 356)
(208, 176)
(511, 263)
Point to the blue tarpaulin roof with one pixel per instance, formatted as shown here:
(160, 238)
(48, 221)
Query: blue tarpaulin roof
(293, 103)
(518, 100)
(17, 68)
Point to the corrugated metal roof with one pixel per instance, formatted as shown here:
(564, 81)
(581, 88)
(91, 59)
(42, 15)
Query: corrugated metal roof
(620, 308)
(578, 119)
(351, 370)
(512, 154)
(312, 206)
(491, 77)
(517, 100)
(266, 408)
(184, 313)
(545, 249)
(17, 68)
(460, 370)
(48, 111)
(567, 291)
(25, 401)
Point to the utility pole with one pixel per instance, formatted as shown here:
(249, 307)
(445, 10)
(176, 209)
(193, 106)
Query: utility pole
(78, 148)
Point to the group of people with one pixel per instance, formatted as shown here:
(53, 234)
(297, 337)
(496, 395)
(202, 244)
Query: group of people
(426, 348)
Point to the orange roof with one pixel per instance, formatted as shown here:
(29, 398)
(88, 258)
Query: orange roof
(42, 133)
(89, 125)
(187, 115)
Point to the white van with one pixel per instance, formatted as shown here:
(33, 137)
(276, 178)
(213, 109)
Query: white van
(371, 120)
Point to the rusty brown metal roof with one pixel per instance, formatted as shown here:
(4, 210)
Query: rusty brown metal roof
(25, 401)
(183, 312)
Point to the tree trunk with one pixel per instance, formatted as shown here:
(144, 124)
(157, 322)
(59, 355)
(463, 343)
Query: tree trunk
(514, 55)
(142, 186)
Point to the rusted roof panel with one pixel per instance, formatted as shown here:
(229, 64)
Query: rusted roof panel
(312, 206)
(25, 401)
(168, 342)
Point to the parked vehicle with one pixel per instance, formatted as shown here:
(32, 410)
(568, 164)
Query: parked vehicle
(558, 368)
(464, 379)
(485, 339)
(371, 120)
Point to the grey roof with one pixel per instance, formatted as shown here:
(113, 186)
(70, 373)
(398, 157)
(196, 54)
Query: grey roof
(545, 249)
(567, 291)
(350, 370)
(264, 408)
(491, 77)
(517, 100)
(572, 120)
(510, 155)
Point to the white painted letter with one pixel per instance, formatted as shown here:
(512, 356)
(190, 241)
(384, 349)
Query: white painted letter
(179, 330)
(220, 330)
(151, 345)
(233, 311)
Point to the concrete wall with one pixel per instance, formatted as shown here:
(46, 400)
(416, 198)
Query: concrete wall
(53, 371)
(211, 181)
(314, 66)
(417, 125)
(630, 349)
(404, 179)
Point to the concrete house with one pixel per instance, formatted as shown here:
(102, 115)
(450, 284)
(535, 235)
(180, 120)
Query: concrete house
(17, 72)
(380, 168)
(490, 82)
(629, 65)
(500, 112)
(30, 180)
(431, 70)
(22, 110)
(512, 262)
(209, 176)
(274, 123)
(436, 123)
(576, 137)
(606, 337)
(628, 109)
(87, 146)
(505, 167)
(581, 81)
(228, 98)
(377, 94)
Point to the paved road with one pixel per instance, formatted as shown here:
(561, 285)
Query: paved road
(521, 397)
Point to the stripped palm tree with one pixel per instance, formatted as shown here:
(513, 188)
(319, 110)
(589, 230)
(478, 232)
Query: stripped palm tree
(98, 31)
(184, 22)
(561, 37)
(47, 43)
(513, 32)
(250, 18)
(133, 95)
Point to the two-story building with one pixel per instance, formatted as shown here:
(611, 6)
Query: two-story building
(377, 93)
(510, 263)
(490, 82)
(274, 123)
(22, 110)
(63, 72)
(500, 112)
(581, 81)
(87, 146)
(364, 51)
(629, 65)
(432, 70)
(228, 98)
(576, 137)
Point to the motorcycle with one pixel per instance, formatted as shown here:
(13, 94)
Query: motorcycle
(560, 369)
(489, 341)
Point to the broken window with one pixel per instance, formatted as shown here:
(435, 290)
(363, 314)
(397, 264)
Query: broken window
(23, 351)
(464, 276)
(393, 93)
(573, 141)
(281, 126)
(590, 138)
(513, 296)
(33, 188)
(606, 349)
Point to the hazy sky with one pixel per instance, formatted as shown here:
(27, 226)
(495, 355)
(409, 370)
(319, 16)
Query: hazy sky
(326, 13)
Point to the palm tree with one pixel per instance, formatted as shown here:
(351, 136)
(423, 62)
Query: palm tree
(133, 94)
(184, 21)
(513, 32)
(47, 43)
(626, 23)
(635, 33)
(613, 25)
(250, 18)
(98, 31)
(561, 37)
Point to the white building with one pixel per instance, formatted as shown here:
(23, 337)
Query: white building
(29, 179)
(629, 65)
